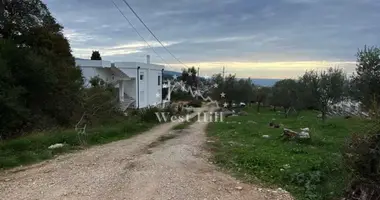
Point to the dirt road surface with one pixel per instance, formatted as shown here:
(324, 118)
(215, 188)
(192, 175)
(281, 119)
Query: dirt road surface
(143, 167)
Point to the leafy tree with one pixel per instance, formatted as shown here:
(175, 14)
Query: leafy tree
(96, 55)
(235, 90)
(19, 18)
(285, 94)
(318, 90)
(244, 91)
(189, 76)
(308, 89)
(262, 95)
(40, 84)
(330, 88)
(366, 81)
(218, 81)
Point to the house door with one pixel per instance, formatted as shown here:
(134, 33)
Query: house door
(142, 89)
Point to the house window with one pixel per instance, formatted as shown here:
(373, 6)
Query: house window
(141, 77)
(159, 80)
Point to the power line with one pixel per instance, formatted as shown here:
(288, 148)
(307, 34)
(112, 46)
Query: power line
(153, 33)
(138, 33)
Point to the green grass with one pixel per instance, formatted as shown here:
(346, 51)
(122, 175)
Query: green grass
(34, 147)
(309, 170)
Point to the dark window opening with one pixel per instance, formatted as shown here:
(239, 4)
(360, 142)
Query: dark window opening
(159, 80)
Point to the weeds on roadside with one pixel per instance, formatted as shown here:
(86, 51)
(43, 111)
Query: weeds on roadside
(34, 147)
(362, 159)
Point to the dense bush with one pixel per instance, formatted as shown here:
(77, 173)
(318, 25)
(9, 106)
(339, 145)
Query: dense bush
(362, 158)
(180, 95)
(148, 114)
(98, 105)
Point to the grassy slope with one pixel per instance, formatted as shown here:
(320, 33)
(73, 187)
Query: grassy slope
(34, 148)
(311, 170)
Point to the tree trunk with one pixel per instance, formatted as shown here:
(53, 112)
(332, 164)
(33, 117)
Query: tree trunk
(258, 107)
(323, 116)
(286, 111)
(274, 108)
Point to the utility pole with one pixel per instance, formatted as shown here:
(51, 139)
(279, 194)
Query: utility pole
(197, 83)
(224, 69)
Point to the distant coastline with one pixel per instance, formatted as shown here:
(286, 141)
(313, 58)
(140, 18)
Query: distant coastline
(266, 82)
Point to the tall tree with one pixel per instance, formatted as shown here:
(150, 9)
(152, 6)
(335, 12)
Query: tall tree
(318, 90)
(235, 90)
(366, 81)
(308, 86)
(331, 88)
(285, 95)
(262, 94)
(36, 57)
(189, 76)
(96, 55)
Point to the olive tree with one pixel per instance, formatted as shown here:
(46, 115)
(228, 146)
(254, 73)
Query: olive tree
(331, 88)
(284, 94)
(366, 80)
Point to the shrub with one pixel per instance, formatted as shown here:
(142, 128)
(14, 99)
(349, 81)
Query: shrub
(98, 106)
(362, 157)
(148, 114)
(180, 95)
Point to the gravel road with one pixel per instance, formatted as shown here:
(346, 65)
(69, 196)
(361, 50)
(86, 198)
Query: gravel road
(142, 167)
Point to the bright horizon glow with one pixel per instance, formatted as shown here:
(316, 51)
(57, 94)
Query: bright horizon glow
(267, 70)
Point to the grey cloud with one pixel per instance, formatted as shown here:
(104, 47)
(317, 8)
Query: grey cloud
(225, 30)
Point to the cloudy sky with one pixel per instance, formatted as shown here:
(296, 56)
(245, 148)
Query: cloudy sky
(252, 38)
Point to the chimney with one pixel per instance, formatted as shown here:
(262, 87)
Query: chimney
(147, 59)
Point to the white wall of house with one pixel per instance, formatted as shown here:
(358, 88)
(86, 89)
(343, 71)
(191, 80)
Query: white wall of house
(92, 68)
(87, 73)
(104, 73)
(130, 88)
(143, 86)
(154, 87)
(143, 89)
(129, 68)
(146, 81)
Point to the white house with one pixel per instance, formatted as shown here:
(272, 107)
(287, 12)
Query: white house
(139, 84)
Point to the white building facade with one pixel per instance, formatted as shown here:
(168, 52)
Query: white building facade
(139, 84)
